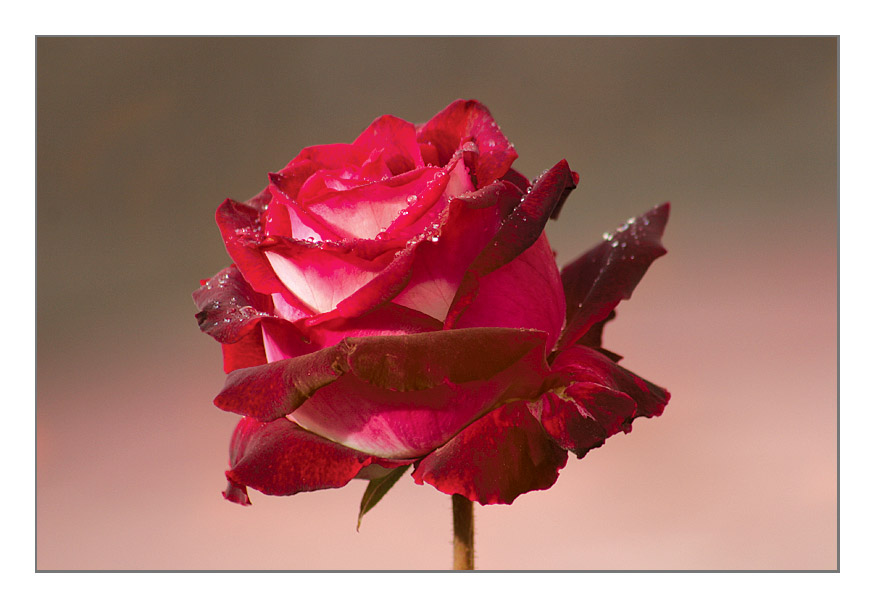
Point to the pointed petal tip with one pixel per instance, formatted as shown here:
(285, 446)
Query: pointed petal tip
(235, 492)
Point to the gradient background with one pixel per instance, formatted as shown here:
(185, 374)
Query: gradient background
(140, 139)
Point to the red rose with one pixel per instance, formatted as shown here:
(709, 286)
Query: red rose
(395, 301)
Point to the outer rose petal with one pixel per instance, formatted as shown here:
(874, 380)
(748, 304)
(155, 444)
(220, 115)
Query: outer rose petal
(527, 292)
(389, 319)
(395, 396)
(469, 121)
(232, 313)
(406, 395)
(518, 233)
(584, 421)
(241, 228)
(526, 223)
(280, 458)
(585, 365)
(229, 308)
(517, 179)
(597, 281)
(500, 456)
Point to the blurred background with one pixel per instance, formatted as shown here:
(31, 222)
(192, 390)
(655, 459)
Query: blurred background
(140, 139)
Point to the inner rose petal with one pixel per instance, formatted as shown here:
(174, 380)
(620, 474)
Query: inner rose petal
(320, 281)
(366, 211)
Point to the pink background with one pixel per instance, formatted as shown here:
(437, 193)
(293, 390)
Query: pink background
(140, 139)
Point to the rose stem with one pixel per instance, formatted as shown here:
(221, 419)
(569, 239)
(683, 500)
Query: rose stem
(463, 533)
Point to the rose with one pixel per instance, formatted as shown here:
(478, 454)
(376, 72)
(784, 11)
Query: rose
(395, 301)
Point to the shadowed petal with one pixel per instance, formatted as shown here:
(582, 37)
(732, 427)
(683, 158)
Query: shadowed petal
(597, 281)
(280, 458)
(500, 456)
(590, 414)
(585, 365)
(229, 308)
(395, 396)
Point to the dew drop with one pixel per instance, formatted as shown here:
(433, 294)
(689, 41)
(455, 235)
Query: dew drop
(411, 199)
(435, 239)
(607, 236)
(614, 243)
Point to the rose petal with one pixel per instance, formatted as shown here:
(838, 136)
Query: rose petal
(231, 312)
(269, 391)
(597, 281)
(500, 456)
(241, 229)
(229, 307)
(280, 458)
(517, 179)
(407, 395)
(591, 414)
(585, 365)
(394, 396)
(527, 292)
(319, 276)
(397, 139)
(419, 219)
(464, 121)
(247, 352)
(286, 183)
(384, 286)
(441, 260)
(282, 340)
(519, 232)
(389, 319)
(240, 225)
(368, 210)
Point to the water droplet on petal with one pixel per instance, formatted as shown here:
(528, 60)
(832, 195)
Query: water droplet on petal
(411, 199)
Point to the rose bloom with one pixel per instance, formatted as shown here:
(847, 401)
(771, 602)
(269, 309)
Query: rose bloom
(395, 301)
